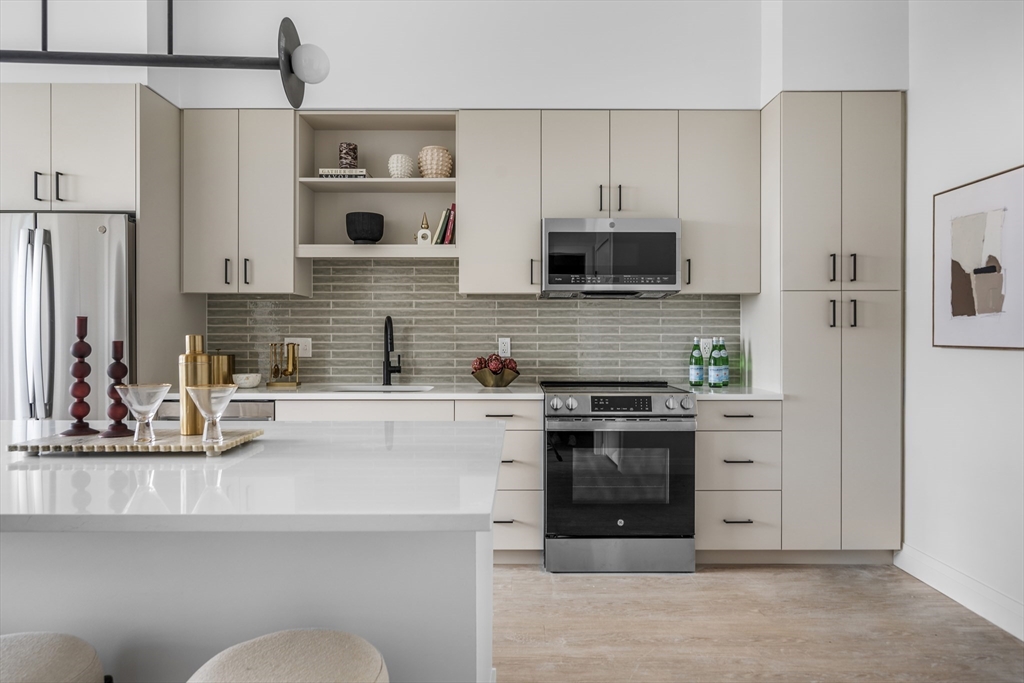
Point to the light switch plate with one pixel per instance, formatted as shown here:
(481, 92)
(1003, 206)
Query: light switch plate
(305, 345)
(504, 347)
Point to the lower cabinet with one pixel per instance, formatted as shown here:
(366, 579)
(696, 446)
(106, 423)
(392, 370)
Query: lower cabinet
(351, 411)
(519, 520)
(738, 520)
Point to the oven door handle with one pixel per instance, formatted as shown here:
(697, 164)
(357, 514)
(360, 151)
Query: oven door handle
(588, 425)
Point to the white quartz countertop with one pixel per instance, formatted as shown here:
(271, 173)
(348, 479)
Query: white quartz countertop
(298, 476)
(734, 394)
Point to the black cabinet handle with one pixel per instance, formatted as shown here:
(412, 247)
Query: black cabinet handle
(737, 416)
(833, 322)
(739, 462)
(35, 185)
(600, 197)
(489, 415)
(853, 275)
(738, 521)
(832, 258)
(56, 187)
(854, 303)
(620, 197)
(245, 270)
(687, 271)
(507, 462)
(531, 271)
(227, 271)
(504, 521)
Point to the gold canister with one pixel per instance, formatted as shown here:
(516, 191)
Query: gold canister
(193, 371)
(222, 367)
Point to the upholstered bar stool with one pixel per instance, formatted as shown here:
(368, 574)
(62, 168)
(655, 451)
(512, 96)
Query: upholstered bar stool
(299, 656)
(48, 658)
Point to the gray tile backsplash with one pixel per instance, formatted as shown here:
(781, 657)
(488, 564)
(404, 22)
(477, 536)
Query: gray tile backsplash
(438, 332)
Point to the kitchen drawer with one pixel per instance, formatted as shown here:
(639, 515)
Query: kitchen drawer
(762, 508)
(517, 415)
(714, 449)
(526, 532)
(748, 416)
(526, 450)
(348, 411)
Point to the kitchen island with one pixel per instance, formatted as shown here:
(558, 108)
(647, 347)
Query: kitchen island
(382, 529)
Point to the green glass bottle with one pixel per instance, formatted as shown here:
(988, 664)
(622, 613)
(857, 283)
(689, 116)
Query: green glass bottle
(696, 365)
(715, 369)
(725, 361)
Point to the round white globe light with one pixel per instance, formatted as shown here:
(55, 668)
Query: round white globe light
(310, 63)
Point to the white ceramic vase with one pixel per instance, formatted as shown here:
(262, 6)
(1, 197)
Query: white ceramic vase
(400, 166)
(435, 162)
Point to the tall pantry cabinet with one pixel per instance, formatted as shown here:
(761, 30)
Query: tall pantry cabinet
(839, 188)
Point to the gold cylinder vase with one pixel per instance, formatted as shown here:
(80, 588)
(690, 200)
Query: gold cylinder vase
(193, 371)
(222, 367)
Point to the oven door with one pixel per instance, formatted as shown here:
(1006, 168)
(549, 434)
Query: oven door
(619, 478)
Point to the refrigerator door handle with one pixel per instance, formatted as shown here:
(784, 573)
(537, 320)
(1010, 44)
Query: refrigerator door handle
(19, 329)
(48, 356)
(34, 328)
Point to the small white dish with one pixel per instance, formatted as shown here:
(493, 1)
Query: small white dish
(247, 380)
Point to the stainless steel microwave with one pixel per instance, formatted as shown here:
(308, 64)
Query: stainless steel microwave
(610, 257)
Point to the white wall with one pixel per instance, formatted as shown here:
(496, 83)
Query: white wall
(964, 433)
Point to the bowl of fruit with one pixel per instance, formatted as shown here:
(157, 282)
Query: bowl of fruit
(495, 371)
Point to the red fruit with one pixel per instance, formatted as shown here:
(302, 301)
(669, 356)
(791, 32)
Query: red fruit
(510, 364)
(479, 364)
(495, 365)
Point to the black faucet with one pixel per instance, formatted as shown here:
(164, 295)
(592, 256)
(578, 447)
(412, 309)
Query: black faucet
(389, 346)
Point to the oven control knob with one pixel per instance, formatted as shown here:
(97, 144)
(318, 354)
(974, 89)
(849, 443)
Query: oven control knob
(670, 403)
(686, 403)
(571, 403)
(556, 403)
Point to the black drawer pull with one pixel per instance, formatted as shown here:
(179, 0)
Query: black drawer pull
(489, 415)
(245, 264)
(227, 271)
(504, 521)
(739, 462)
(600, 197)
(56, 186)
(687, 271)
(738, 521)
(35, 185)
(507, 462)
(832, 260)
(853, 276)
(727, 415)
(620, 197)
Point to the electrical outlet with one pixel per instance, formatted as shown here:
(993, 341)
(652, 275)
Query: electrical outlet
(305, 345)
(504, 347)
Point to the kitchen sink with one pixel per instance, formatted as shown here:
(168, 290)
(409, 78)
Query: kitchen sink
(374, 388)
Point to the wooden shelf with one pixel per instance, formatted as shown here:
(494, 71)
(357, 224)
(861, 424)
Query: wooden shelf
(377, 251)
(379, 184)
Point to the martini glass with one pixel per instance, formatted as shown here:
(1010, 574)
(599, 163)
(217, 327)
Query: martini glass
(212, 400)
(143, 400)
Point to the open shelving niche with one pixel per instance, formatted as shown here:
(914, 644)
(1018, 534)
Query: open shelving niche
(323, 202)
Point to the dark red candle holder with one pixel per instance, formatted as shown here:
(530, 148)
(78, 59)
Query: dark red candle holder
(117, 410)
(80, 388)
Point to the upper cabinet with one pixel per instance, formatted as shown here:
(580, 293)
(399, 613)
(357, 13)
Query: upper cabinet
(68, 147)
(719, 201)
(499, 200)
(601, 164)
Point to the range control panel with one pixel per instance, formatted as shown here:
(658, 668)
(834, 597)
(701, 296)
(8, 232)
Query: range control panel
(620, 404)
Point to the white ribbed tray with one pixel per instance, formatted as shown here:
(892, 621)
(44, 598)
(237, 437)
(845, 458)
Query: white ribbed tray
(167, 441)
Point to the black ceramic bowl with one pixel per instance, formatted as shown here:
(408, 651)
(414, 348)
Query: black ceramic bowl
(364, 227)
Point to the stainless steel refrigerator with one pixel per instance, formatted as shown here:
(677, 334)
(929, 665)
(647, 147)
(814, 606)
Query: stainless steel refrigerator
(53, 268)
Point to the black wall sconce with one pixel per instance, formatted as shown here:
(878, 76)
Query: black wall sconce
(298, 64)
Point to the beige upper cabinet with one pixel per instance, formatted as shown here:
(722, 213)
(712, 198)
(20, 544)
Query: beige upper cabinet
(499, 201)
(24, 147)
(209, 201)
(574, 164)
(719, 201)
(644, 164)
(872, 190)
(92, 133)
(811, 190)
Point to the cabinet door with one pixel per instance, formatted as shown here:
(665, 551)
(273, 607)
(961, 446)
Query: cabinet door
(872, 190)
(574, 164)
(872, 419)
(719, 201)
(645, 164)
(209, 170)
(498, 199)
(24, 147)
(811, 190)
(266, 206)
(811, 416)
(92, 138)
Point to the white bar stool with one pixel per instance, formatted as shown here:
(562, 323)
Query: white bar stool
(298, 656)
(48, 658)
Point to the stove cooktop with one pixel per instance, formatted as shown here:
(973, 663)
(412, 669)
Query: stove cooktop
(610, 399)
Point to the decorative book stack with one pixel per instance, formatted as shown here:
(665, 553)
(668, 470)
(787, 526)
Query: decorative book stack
(344, 173)
(445, 233)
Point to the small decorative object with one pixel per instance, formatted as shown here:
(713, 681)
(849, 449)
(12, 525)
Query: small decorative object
(247, 380)
(978, 251)
(423, 237)
(117, 410)
(144, 400)
(495, 371)
(364, 227)
(80, 388)
(435, 162)
(400, 166)
(348, 155)
(212, 400)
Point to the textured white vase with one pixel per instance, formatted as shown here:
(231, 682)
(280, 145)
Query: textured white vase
(400, 166)
(435, 162)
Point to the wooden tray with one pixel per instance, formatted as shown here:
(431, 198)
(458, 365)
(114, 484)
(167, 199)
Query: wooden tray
(167, 441)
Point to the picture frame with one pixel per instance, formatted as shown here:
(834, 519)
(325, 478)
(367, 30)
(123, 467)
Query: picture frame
(978, 263)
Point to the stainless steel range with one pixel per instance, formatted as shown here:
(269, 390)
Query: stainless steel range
(619, 482)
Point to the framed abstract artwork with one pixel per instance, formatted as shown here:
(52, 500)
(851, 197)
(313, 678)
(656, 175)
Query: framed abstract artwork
(978, 263)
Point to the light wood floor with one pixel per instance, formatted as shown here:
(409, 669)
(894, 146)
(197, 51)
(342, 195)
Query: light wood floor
(796, 623)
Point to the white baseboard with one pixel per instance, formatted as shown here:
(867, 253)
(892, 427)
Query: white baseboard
(1000, 609)
(519, 557)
